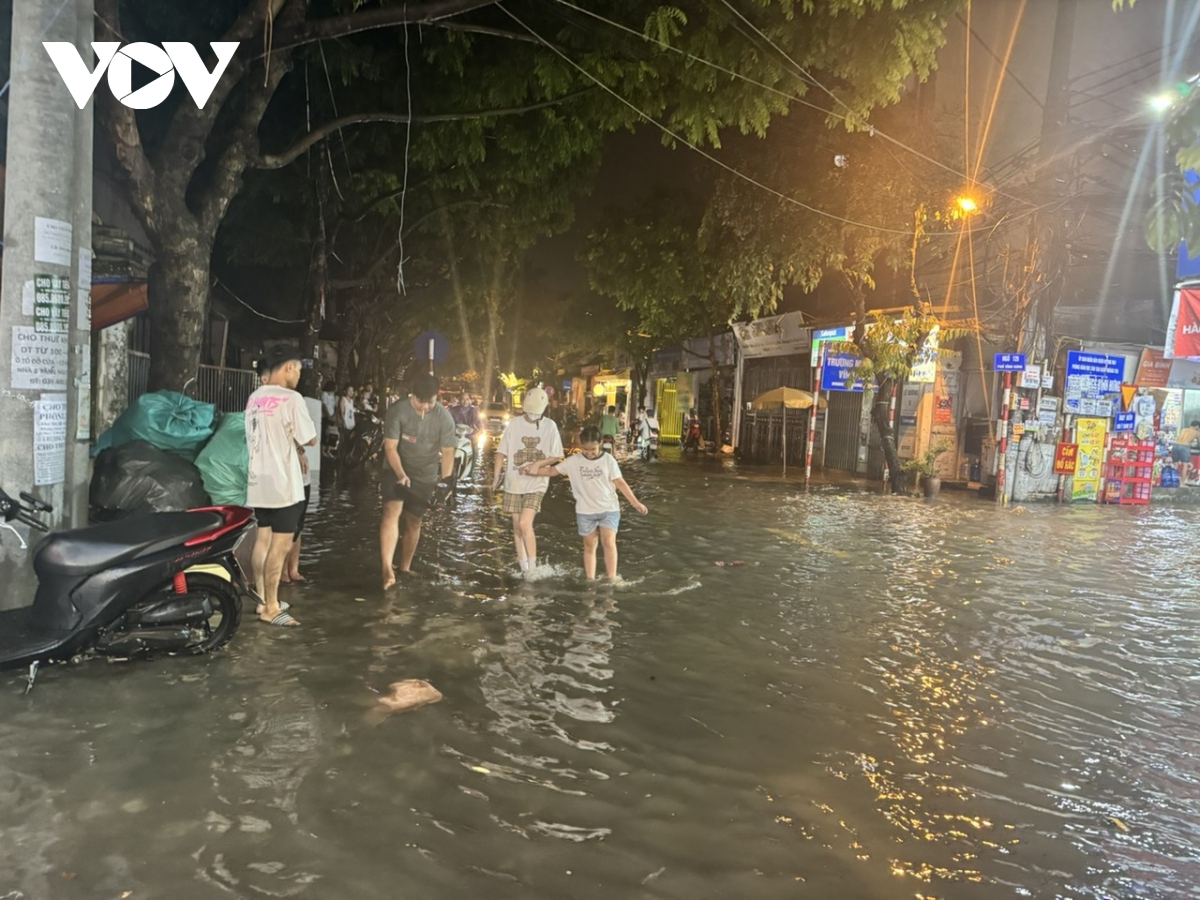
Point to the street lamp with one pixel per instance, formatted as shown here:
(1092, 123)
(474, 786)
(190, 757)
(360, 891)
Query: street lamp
(1160, 103)
(966, 205)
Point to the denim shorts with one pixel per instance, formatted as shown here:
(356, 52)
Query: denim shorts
(589, 522)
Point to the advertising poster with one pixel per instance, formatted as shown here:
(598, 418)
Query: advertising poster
(1089, 437)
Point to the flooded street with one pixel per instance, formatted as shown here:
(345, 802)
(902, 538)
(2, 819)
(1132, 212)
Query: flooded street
(883, 699)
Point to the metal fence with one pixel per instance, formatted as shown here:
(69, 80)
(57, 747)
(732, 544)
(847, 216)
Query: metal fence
(227, 389)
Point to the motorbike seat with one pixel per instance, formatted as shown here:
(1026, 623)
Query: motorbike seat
(86, 550)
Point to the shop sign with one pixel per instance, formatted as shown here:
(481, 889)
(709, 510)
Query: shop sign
(839, 363)
(773, 336)
(1090, 433)
(1009, 362)
(1065, 457)
(1183, 327)
(1153, 369)
(1123, 421)
(825, 335)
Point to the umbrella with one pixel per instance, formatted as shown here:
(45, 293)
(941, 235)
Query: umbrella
(785, 398)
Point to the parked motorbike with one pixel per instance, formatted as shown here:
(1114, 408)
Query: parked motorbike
(464, 454)
(608, 443)
(365, 443)
(166, 582)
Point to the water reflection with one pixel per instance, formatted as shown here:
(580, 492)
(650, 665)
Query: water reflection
(882, 699)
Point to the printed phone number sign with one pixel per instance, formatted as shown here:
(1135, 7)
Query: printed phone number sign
(39, 361)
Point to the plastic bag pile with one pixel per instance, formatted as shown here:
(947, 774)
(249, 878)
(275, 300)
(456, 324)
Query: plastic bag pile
(167, 453)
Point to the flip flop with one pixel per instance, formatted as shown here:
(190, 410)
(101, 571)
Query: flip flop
(283, 607)
(283, 618)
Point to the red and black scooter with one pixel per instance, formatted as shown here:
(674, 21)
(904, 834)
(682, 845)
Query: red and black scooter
(167, 582)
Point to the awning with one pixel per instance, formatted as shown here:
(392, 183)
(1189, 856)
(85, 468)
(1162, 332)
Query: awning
(114, 302)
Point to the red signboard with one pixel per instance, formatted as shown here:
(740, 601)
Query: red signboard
(1065, 456)
(1185, 332)
(1153, 370)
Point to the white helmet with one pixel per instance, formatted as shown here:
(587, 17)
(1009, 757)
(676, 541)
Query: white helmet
(535, 402)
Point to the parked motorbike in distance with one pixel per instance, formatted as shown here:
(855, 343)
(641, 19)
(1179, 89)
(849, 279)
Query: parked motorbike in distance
(608, 443)
(365, 443)
(165, 582)
(465, 454)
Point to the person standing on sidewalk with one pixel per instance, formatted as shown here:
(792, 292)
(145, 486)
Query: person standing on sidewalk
(277, 427)
(418, 457)
(527, 439)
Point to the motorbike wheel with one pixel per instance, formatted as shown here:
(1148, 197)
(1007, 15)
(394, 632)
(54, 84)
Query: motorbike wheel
(356, 454)
(220, 627)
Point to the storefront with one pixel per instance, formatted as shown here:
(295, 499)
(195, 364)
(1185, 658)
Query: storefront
(772, 352)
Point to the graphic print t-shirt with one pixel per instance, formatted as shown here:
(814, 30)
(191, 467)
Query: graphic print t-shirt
(421, 439)
(526, 442)
(592, 482)
(276, 421)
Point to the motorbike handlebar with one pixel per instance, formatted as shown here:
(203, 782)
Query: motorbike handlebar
(25, 513)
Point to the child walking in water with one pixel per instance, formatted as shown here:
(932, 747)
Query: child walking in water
(595, 479)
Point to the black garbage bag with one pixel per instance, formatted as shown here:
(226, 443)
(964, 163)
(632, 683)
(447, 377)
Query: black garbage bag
(138, 478)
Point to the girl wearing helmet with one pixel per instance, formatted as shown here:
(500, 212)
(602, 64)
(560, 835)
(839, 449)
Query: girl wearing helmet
(530, 438)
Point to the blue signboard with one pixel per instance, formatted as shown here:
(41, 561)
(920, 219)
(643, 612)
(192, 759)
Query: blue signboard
(1187, 265)
(1123, 421)
(836, 372)
(1107, 370)
(1009, 362)
(441, 346)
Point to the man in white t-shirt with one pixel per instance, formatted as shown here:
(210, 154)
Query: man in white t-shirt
(527, 439)
(277, 425)
(595, 479)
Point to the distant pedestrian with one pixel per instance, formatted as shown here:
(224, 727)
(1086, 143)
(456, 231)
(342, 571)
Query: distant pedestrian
(278, 426)
(418, 453)
(527, 439)
(595, 480)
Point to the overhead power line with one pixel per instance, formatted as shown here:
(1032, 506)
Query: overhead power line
(742, 175)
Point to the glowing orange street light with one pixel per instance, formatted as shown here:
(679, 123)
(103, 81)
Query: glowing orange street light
(966, 205)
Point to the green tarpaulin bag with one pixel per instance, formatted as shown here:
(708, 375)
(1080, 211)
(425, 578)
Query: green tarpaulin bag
(165, 420)
(224, 460)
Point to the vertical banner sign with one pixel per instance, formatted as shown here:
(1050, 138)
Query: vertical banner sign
(1065, 458)
(50, 439)
(1089, 435)
(51, 304)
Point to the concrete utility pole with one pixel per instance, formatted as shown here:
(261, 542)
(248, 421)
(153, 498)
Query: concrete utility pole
(44, 327)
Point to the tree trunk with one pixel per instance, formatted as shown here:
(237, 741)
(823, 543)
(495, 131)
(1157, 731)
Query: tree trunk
(716, 388)
(879, 415)
(179, 285)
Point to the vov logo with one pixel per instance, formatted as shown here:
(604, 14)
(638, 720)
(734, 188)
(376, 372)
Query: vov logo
(171, 57)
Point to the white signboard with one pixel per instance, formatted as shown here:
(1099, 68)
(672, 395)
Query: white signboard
(1031, 378)
(50, 439)
(773, 336)
(52, 241)
(39, 361)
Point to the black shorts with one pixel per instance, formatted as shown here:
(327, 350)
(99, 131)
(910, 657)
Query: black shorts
(303, 512)
(416, 497)
(281, 520)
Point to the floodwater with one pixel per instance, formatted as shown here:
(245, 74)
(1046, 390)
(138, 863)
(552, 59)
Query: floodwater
(885, 699)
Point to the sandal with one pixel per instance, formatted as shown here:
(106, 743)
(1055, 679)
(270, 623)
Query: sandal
(283, 618)
(283, 607)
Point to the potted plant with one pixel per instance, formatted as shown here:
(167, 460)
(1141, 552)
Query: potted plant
(925, 465)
